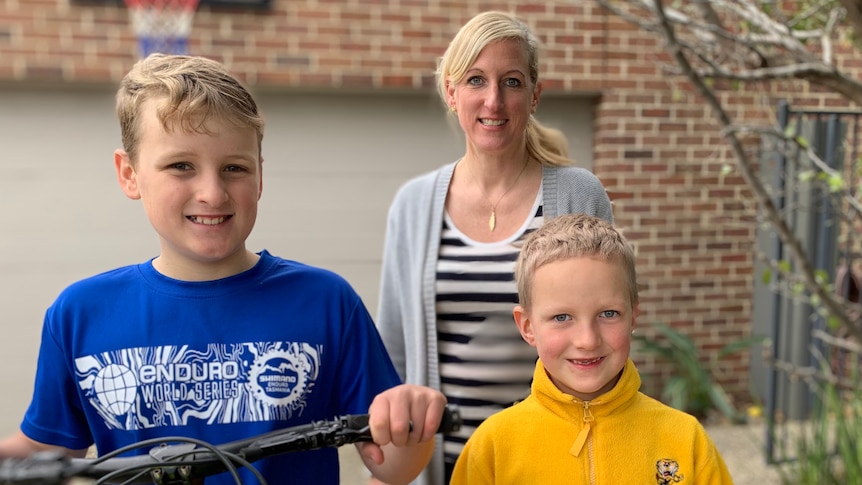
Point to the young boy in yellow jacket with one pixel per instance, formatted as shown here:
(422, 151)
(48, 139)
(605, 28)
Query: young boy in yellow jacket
(585, 421)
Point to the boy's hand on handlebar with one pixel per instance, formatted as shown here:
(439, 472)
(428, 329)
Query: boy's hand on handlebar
(404, 415)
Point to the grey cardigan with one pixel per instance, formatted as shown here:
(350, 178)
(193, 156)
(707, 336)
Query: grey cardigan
(406, 315)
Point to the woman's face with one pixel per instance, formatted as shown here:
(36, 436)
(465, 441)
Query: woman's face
(495, 98)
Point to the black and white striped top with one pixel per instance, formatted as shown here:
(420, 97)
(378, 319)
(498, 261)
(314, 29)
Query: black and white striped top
(485, 365)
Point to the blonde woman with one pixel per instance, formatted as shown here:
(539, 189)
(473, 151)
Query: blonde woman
(447, 287)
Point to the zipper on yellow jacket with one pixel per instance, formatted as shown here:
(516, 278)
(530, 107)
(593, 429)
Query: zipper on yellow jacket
(578, 446)
(584, 436)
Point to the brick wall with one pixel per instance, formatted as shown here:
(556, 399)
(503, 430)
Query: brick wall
(657, 148)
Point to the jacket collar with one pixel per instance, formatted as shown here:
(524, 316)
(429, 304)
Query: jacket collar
(567, 406)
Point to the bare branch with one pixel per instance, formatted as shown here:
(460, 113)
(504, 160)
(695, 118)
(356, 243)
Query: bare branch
(830, 302)
(765, 49)
(810, 154)
(813, 376)
(841, 343)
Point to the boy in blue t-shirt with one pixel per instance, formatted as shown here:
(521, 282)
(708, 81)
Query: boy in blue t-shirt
(209, 340)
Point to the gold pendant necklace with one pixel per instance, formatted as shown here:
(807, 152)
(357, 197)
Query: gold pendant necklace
(492, 221)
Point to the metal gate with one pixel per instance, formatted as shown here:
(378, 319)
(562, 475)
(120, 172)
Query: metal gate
(827, 237)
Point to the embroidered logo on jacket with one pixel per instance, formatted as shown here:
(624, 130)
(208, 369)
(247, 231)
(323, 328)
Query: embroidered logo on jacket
(149, 387)
(667, 472)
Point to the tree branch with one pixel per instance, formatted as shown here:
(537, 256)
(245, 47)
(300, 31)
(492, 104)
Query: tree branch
(664, 24)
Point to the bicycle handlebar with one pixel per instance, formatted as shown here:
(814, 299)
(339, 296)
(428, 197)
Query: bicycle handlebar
(180, 460)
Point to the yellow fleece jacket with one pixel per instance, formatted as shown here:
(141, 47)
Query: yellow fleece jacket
(623, 437)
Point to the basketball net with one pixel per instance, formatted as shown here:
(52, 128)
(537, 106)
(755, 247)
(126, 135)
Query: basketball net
(162, 26)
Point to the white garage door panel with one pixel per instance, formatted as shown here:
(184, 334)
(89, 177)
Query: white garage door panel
(356, 135)
(343, 223)
(69, 219)
(332, 165)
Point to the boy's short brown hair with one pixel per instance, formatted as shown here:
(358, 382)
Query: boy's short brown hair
(196, 89)
(571, 236)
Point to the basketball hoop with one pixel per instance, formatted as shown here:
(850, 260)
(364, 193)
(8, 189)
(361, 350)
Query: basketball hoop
(162, 25)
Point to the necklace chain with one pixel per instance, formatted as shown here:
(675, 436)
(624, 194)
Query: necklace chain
(492, 221)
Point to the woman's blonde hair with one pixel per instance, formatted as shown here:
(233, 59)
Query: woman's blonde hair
(196, 89)
(544, 144)
(572, 236)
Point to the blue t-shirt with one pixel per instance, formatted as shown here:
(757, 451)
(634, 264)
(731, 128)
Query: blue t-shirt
(130, 355)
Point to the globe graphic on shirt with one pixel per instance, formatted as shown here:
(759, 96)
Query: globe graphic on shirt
(115, 386)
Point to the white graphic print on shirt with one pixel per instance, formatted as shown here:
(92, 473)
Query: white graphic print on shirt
(148, 387)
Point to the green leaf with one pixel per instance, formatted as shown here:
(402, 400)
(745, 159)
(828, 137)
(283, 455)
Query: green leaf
(766, 277)
(836, 183)
(652, 345)
(814, 301)
(802, 141)
(676, 393)
(677, 339)
(798, 289)
(741, 344)
(821, 277)
(722, 402)
(806, 175)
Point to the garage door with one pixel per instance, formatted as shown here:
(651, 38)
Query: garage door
(332, 165)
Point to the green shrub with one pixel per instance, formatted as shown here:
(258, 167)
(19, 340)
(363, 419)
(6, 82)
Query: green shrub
(692, 387)
(828, 448)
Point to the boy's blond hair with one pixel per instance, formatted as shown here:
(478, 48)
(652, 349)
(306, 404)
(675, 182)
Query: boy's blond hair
(545, 144)
(196, 89)
(572, 236)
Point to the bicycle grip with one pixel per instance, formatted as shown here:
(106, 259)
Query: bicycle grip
(450, 422)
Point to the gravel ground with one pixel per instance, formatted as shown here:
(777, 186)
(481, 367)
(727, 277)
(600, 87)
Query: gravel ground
(742, 447)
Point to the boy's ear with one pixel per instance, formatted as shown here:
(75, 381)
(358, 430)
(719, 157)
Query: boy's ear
(126, 175)
(260, 182)
(525, 326)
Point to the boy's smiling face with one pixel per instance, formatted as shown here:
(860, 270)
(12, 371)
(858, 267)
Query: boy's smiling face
(580, 321)
(199, 191)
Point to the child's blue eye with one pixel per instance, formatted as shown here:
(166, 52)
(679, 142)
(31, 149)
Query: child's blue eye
(561, 318)
(609, 314)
